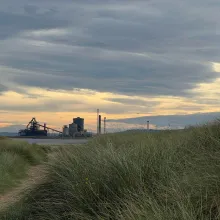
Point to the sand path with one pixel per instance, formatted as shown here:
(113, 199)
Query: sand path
(35, 176)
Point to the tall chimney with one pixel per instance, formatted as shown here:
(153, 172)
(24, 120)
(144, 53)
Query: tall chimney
(148, 125)
(97, 121)
(100, 124)
(104, 125)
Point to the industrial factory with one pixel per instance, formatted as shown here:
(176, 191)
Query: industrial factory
(33, 129)
(74, 130)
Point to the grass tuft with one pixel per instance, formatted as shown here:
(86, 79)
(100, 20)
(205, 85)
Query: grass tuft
(15, 159)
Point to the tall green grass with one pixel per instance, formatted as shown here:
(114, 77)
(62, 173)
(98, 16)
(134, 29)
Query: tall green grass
(15, 159)
(172, 175)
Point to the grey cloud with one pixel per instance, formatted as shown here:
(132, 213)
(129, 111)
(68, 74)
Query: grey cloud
(103, 46)
(45, 106)
(33, 96)
(3, 88)
(137, 102)
(187, 108)
(30, 9)
(71, 106)
(138, 77)
(210, 101)
(14, 23)
(12, 128)
(172, 120)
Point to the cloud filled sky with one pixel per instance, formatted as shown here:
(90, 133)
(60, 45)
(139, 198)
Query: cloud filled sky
(62, 59)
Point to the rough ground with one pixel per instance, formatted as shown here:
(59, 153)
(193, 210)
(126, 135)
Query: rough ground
(36, 175)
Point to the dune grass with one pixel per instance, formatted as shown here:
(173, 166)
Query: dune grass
(15, 159)
(171, 175)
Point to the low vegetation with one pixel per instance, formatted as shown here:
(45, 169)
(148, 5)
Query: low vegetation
(15, 159)
(171, 175)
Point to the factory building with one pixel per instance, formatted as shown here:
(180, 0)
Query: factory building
(76, 127)
(33, 129)
(80, 123)
(72, 129)
(65, 131)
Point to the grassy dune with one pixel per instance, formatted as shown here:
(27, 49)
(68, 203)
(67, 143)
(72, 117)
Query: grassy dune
(172, 175)
(15, 159)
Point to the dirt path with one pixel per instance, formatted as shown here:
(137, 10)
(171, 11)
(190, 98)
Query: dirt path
(36, 176)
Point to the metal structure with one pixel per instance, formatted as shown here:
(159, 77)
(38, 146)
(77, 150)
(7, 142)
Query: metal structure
(72, 129)
(80, 124)
(100, 124)
(33, 129)
(97, 121)
(148, 125)
(104, 125)
(65, 130)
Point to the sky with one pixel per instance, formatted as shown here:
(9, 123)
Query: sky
(63, 59)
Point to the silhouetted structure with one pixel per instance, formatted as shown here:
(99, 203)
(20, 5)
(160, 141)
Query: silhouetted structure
(33, 129)
(80, 123)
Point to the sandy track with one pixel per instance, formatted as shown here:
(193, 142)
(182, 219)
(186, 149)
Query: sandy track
(36, 176)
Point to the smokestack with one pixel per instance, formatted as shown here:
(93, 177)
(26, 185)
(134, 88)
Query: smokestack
(44, 126)
(104, 125)
(148, 125)
(100, 124)
(97, 121)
